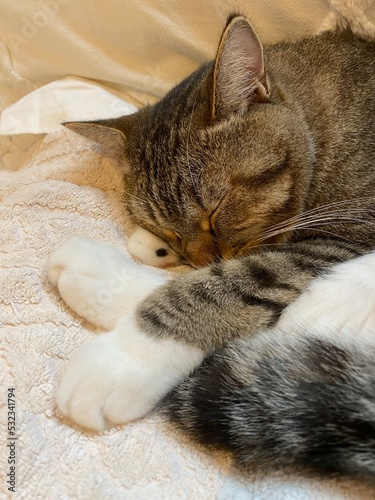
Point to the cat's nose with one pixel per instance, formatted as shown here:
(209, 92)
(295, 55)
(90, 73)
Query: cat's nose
(203, 249)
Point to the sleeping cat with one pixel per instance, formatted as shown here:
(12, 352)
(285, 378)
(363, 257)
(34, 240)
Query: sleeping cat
(258, 170)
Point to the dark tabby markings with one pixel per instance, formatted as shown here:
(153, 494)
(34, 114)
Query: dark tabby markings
(313, 268)
(264, 277)
(151, 317)
(252, 300)
(217, 270)
(331, 360)
(297, 404)
(202, 293)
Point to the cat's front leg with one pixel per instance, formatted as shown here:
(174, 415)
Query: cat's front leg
(99, 282)
(236, 298)
(120, 376)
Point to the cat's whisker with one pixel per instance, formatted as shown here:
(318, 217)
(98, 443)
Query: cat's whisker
(135, 197)
(299, 224)
(269, 245)
(332, 233)
(341, 202)
(318, 215)
(326, 208)
(313, 224)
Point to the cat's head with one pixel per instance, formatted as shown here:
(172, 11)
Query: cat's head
(220, 160)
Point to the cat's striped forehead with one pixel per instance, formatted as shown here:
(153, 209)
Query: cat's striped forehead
(168, 148)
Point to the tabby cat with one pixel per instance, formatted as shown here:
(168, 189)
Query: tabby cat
(259, 171)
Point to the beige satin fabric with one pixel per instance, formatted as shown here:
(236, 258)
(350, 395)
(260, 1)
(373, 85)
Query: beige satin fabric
(138, 46)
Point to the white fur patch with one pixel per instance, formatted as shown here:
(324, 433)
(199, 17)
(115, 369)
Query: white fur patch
(152, 250)
(121, 376)
(340, 304)
(99, 282)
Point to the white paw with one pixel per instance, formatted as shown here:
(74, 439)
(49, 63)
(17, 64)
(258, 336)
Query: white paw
(152, 250)
(99, 282)
(121, 376)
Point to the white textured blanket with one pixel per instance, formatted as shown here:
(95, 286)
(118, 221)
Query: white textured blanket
(63, 186)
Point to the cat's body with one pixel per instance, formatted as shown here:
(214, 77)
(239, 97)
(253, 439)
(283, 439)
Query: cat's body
(267, 181)
(329, 79)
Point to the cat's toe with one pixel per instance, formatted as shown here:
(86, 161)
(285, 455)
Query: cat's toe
(59, 260)
(103, 386)
(79, 398)
(92, 258)
(88, 379)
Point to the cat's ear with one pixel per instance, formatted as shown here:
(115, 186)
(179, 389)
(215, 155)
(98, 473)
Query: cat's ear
(239, 73)
(103, 132)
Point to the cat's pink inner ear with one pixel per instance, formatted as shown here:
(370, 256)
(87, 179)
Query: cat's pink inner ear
(111, 139)
(239, 73)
